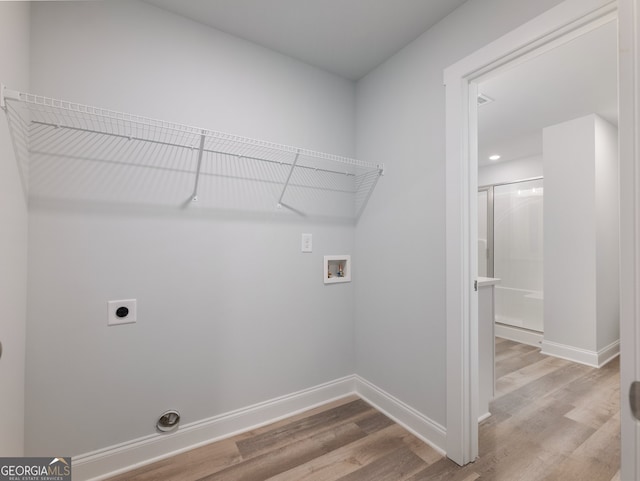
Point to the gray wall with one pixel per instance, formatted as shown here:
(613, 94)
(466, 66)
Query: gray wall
(400, 240)
(230, 312)
(14, 72)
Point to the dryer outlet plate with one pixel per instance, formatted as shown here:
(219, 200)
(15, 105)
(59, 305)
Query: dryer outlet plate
(121, 312)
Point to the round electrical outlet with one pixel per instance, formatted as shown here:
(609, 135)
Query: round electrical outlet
(122, 312)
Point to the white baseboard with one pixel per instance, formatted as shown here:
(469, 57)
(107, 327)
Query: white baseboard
(483, 417)
(107, 462)
(608, 353)
(124, 457)
(113, 460)
(415, 422)
(582, 356)
(517, 334)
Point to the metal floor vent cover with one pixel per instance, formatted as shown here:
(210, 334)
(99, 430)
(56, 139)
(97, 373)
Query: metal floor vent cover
(168, 421)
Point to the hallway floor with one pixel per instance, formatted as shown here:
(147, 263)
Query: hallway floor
(551, 420)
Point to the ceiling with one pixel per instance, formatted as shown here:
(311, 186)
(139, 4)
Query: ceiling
(346, 37)
(573, 80)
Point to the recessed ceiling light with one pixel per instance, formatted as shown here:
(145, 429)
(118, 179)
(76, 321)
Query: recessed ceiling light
(494, 157)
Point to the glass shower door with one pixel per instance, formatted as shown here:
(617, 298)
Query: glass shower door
(485, 232)
(518, 262)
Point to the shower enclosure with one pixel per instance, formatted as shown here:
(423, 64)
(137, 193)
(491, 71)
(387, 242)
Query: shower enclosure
(510, 246)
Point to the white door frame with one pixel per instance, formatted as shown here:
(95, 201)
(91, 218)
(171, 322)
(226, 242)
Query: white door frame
(555, 27)
(629, 140)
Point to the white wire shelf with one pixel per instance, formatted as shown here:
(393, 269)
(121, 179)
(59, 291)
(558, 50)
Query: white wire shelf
(75, 151)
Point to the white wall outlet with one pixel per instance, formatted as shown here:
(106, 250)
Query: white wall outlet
(307, 243)
(121, 312)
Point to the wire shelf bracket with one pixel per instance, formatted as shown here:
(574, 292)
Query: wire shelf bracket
(194, 196)
(5, 94)
(286, 184)
(125, 157)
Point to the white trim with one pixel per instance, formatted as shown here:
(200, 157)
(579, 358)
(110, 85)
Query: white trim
(462, 430)
(629, 132)
(581, 356)
(608, 353)
(523, 336)
(113, 460)
(129, 455)
(486, 415)
(559, 24)
(427, 430)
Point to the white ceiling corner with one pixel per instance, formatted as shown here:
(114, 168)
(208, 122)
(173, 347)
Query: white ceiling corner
(346, 37)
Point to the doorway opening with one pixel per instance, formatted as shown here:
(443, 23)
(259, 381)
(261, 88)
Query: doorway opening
(557, 27)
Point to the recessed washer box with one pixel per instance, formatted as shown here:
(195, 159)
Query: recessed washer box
(337, 268)
(121, 312)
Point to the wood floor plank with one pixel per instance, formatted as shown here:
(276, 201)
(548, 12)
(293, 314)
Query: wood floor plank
(603, 445)
(583, 386)
(472, 477)
(515, 363)
(374, 422)
(428, 454)
(563, 436)
(544, 385)
(596, 414)
(395, 466)
(348, 458)
(445, 470)
(188, 466)
(503, 344)
(597, 458)
(510, 348)
(525, 375)
(526, 409)
(576, 470)
(283, 459)
(521, 460)
(300, 429)
(296, 417)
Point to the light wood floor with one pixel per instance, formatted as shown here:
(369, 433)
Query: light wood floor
(551, 420)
